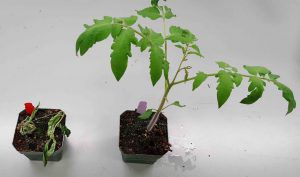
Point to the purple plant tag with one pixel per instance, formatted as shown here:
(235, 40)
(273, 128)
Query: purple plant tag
(141, 107)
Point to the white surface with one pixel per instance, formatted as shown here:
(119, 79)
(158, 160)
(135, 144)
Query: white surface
(38, 63)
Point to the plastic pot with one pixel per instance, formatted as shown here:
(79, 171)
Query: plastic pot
(128, 122)
(38, 155)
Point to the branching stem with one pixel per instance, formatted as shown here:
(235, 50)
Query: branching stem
(161, 107)
(155, 118)
(214, 74)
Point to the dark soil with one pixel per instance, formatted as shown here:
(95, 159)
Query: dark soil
(36, 141)
(134, 139)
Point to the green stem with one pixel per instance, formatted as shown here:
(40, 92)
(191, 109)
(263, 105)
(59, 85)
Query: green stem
(155, 118)
(214, 74)
(166, 43)
(33, 113)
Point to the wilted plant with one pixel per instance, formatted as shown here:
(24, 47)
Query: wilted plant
(28, 127)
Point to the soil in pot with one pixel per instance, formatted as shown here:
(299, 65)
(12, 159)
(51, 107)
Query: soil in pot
(35, 142)
(134, 139)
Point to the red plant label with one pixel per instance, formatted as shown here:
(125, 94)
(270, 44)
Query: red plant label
(29, 108)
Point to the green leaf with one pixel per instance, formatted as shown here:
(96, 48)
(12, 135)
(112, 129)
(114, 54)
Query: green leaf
(273, 76)
(95, 33)
(180, 47)
(48, 152)
(288, 95)
(121, 51)
(143, 44)
(257, 70)
(129, 21)
(200, 78)
(45, 158)
(256, 89)
(65, 130)
(54, 122)
(168, 13)
(116, 30)
(166, 66)
(196, 50)
(150, 12)
(154, 2)
(154, 41)
(237, 79)
(105, 20)
(181, 35)
(156, 63)
(177, 103)
(226, 66)
(225, 87)
(146, 115)
(152, 37)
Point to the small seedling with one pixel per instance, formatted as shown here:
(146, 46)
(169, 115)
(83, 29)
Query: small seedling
(28, 126)
(125, 35)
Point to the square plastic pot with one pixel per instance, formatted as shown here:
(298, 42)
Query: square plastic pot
(38, 156)
(140, 158)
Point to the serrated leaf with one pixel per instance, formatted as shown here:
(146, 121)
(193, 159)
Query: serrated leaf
(288, 95)
(116, 30)
(181, 35)
(156, 63)
(105, 20)
(150, 12)
(273, 76)
(226, 66)
(200, 78)
(156, 38)
(237, 79)
(177, 103)
(143, 44)
(168, 12)
(224, 87)
(153, 37)
(121, 51)
(196, 50)
(143, 30)
(154, 2)
(94, 33)
(146, 115)
(129, 21)
(257, 70)
(256, 89)
(166, 66)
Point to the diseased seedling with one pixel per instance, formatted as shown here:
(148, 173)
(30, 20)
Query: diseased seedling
(125, 36)
(28, 127)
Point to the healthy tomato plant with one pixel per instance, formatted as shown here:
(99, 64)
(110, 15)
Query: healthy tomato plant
(125, 35)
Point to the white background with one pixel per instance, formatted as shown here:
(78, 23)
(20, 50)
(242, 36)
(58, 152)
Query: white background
(38, 63)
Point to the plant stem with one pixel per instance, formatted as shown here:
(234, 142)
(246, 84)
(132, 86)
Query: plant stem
(166, 42)
(155, 118)
(214, 74)
(161, 107)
